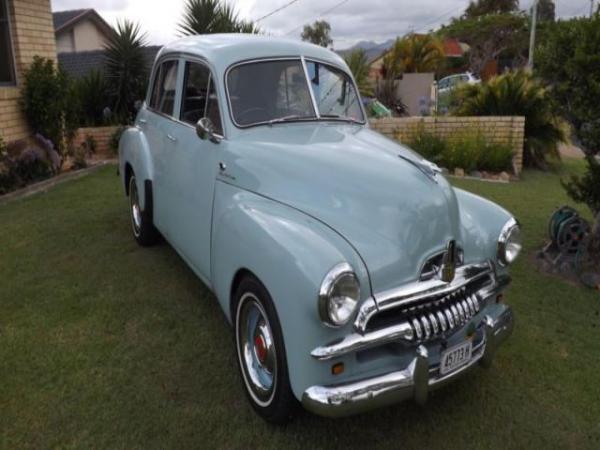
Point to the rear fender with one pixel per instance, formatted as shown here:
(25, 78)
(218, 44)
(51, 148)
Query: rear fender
(135, 152)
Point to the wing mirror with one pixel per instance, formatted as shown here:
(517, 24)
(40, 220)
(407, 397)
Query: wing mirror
(205, 129)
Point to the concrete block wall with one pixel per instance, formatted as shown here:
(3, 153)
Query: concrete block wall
(498, 130)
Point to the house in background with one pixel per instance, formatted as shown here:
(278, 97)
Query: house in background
(80, 30)
(25, 31)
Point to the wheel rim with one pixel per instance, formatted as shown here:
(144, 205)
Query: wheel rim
(136, 212)
(256, 349)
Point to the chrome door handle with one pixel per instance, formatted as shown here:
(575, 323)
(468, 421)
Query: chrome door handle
(171, 138)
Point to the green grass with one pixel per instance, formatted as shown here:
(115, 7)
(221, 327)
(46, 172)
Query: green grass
(105, 344)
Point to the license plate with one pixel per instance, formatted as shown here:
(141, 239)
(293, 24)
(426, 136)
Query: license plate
(455, 357)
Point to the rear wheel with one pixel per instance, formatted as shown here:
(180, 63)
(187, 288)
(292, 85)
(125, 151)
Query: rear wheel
(141, 220)
(261, 353)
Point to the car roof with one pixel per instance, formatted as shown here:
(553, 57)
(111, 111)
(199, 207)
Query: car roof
(223, 50)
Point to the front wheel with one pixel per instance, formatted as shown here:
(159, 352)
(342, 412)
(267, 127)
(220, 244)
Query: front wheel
(261, 353)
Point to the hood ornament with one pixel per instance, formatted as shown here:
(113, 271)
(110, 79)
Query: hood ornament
(450, 261)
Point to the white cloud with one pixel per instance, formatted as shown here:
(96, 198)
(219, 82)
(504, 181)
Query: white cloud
(353, 21)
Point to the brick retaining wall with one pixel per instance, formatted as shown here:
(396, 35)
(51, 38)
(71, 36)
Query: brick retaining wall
(499, 130)
(101, 135)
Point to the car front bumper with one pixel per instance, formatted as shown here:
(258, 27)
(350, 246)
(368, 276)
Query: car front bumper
(415, 381)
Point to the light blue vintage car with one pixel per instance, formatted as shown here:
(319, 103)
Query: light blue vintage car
(354, 275)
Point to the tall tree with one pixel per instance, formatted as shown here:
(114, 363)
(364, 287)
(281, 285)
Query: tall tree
(359, 65)
(318, 33)
(480, 8)
(126, 68)
(546, 11)
(490, 37)
(213, 16)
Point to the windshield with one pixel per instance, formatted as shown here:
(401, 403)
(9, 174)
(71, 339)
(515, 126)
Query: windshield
(269, 92)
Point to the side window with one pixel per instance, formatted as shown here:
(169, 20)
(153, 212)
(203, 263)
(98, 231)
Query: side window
(163, 91)
(194, 93)
(199, 97)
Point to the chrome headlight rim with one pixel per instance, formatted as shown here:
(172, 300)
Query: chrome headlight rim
(508, 231)
(334, 276)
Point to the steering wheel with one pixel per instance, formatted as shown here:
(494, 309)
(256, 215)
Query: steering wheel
(249, 111)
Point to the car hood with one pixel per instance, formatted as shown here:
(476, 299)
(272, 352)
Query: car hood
(364, 186)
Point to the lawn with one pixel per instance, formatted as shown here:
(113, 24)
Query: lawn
(106, 344)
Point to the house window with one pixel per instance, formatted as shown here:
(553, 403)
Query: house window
(7, 72)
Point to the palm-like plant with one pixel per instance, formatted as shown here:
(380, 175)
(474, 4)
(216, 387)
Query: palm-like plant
(359, 65)
(415, 53)
(126, 69)
(517, 94)
(213, 16)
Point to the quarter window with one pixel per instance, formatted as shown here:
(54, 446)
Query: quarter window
(163, 91)
(7, 72)
(199, 97)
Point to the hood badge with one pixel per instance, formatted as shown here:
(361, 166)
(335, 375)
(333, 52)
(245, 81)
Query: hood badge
(450, 261)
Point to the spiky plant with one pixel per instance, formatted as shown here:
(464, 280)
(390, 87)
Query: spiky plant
(93, 93)
(415, 53)
(517, 94)
(359, 65)
(213, 16)
(126, 70)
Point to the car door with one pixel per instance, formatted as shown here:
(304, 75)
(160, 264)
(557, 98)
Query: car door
(155, 120)
(193, 166)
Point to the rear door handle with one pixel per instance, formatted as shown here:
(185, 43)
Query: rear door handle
(171, 138)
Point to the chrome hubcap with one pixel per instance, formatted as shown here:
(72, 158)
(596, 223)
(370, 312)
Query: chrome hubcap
(136, 213)
(256, 349)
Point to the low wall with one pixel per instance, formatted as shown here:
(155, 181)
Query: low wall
(498, 130)
(101, 135)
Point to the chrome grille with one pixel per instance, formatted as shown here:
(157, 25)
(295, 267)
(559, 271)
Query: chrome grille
(444, 315)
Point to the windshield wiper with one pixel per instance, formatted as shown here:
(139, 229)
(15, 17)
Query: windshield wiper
(344, 118)
(286, 119)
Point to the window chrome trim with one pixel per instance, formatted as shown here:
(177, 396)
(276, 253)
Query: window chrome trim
(310, 90)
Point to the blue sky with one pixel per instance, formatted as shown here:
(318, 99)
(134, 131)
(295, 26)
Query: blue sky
(352, 21)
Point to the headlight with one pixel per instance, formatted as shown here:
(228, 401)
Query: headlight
(339, 295)
(509, 243)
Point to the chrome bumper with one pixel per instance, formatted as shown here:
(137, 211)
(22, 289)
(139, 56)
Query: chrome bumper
(415, 381)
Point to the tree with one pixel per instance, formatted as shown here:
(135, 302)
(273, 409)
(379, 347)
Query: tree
(318, 33)
(126, 68)
(415, 53)
(490, 37)
(480, 8)
(568, 59)
(546, 11)
(213, 16)
(359, 65)
(517, 93)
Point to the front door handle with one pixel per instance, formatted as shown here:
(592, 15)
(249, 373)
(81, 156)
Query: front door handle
(171, 138)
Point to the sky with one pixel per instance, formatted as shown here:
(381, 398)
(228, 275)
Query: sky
(351, 20)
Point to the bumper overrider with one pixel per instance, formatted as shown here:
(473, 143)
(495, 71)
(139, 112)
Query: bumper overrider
(422, 374)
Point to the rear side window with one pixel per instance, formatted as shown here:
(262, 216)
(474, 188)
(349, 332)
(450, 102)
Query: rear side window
(163, 91)
(199, 97)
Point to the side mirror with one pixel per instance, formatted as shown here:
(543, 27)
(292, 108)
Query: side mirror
(206, 130)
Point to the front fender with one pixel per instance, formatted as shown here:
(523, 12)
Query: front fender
(290, 253)
(481, 224)
(134, 150)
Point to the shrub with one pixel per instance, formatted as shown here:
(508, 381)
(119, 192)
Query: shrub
(517, 94)
(29, 165)
(586, 189)
(430, 146)
(47, 101)
(469, 150)
(115, 138)
(93, 97)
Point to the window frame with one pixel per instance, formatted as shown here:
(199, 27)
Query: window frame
(157, 70)
(12, 62)
(211, 79)
(303, 60)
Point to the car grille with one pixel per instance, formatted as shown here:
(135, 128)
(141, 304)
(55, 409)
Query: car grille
(435, 316)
